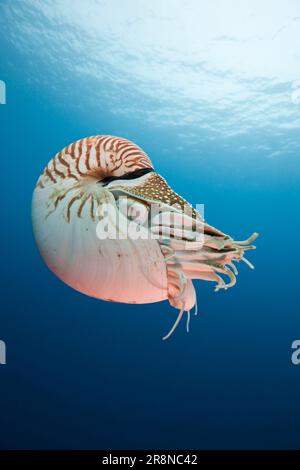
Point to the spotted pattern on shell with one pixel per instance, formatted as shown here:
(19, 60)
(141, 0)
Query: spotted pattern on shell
(156, 189)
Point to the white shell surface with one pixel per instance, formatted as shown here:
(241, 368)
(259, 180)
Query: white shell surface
(130, 271)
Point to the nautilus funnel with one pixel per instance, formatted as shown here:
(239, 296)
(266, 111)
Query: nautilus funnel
(111, 227)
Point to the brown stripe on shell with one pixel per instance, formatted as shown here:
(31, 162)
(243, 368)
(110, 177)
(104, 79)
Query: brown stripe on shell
(48, 173)
(75, 198)
(61, 159)
(75, 161)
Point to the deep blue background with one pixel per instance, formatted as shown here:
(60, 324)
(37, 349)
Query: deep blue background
(82, 373)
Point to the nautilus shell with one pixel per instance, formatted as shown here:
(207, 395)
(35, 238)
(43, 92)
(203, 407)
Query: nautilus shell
(111, 227)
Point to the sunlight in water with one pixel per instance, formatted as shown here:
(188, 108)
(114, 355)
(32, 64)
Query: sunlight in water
(226, 71)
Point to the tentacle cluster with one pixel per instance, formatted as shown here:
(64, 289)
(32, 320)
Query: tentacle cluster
(192, 249)
(209, 260)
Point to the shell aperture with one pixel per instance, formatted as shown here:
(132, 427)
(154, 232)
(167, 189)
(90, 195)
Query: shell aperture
(112, 228)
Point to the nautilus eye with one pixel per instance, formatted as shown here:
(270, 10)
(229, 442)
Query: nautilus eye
(110, 227)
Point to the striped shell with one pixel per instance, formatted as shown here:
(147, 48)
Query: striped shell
(64, 210)
(94, 157)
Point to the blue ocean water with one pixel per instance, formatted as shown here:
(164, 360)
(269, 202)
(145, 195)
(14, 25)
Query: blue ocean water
(211, 92)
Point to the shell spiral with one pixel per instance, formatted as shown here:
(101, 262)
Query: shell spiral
(95, 157)
(65, 213)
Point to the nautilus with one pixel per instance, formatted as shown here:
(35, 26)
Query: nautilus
(108, 225)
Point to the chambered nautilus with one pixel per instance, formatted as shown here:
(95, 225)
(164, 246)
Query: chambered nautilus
(110, 227)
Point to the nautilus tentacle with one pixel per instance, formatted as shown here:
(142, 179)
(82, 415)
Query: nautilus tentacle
(94, 224)
(192, 249)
